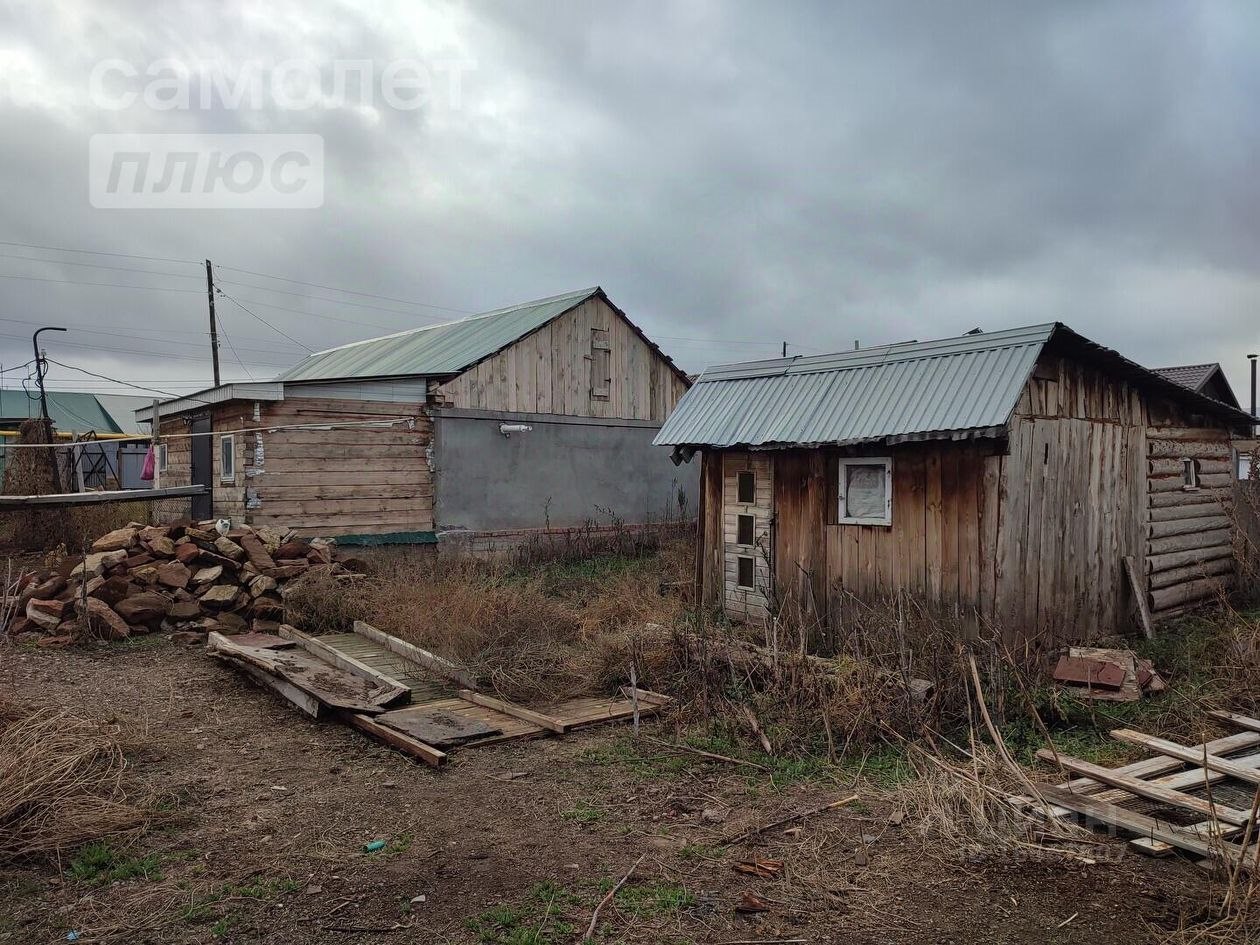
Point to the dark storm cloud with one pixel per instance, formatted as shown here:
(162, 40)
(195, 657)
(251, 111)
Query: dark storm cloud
(814, 173)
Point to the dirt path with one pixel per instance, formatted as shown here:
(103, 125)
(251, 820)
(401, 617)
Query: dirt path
(268, 814)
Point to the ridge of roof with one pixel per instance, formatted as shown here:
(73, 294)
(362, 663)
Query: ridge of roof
(881, 354)
(580, 293)
(441, 349)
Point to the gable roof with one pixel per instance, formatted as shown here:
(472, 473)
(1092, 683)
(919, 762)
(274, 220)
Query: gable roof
(448, 348)
(954, 388)
(75, 411)
(1198, 377)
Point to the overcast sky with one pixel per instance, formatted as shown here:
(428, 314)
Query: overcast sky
(734, 175)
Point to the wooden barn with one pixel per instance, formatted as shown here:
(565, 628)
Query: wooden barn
(540, 415)
(1005, 474)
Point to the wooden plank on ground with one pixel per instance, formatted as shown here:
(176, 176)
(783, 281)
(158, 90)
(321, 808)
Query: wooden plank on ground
(1240, 721)
(421, 657)
(393, 693)
(395, 739)
(647, 695)
(307, 703)
(1155, 792)
(333, 687)
(1145, 826)
(437, 727)
(509, 708)
(1187, 754)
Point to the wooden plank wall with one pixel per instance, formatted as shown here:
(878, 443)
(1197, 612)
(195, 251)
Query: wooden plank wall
(364, 481)
(1070, 506)
(549, 371)
(178, 451)
(710, 549)
(743, 602)
(1190, 553)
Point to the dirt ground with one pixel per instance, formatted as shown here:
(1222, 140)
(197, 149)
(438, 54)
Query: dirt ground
(264, 816)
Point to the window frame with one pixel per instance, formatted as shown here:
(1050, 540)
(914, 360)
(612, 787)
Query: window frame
(601, 352)
(1189, 474)
(160, 456)
(752, 528)
(752, 572)
(739, 481)
(841, 479)
(226, 475)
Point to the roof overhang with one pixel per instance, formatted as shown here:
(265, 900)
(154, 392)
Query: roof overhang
(263, 390)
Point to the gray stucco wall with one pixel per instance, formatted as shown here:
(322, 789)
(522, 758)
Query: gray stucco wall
(562, 472)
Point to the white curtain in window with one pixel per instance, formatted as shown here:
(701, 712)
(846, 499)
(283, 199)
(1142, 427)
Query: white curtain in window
(864, 491)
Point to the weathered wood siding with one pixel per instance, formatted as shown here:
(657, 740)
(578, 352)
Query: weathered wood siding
(549, 371)
(357, 481)
(1029, 533)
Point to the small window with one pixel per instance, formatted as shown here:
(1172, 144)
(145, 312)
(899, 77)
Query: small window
(1244, 465)
(601, 363)
(159, 452)
(865, 491)
(1190, 474)
(744, 530)
(745, 571)
(747, 488)
(227, 458)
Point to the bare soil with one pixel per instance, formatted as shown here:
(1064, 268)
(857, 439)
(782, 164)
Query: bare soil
(263, 817)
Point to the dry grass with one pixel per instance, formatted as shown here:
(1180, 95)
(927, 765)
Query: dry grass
(532, 631)
(60, 783)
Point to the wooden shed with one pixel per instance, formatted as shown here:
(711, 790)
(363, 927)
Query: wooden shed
(1005, 474)
(539, 415)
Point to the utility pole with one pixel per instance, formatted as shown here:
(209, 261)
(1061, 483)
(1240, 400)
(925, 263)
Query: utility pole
(41, 368)
(214, 330)
(785, 349)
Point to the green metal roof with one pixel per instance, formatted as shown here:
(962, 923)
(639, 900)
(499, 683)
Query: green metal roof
(71, 412)
(448, 348)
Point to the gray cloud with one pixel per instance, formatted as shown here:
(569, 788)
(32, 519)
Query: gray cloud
(733, 174)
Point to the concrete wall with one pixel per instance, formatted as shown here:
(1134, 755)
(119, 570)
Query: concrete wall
(560, 473)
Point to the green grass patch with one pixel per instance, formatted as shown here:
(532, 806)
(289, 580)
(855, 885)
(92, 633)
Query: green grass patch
(201, 907)
(537, 920)
(650, 899)
(99, 863)
(583, 812)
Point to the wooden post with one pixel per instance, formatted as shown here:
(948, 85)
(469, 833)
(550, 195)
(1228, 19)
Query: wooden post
(214, 329)
(1139, 596)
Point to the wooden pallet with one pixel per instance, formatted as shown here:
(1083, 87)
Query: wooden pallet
(440, 713)
(1184, 785)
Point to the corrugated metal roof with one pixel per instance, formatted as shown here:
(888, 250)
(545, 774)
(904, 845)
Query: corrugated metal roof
(71, 411)
(256, 390)
(903, 391)
(436, 349)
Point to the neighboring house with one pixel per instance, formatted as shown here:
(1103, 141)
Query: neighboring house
(1207, 379)
(1005, 474)
(84, 416)
(537, 415)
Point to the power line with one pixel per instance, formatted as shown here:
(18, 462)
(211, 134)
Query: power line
(316, 298)
(228, 339)
(133, 351)
(97, 252)
(71, 262)
(99, 285)
(106, 377)
(333, 288)
(161, 341)
(263, 320)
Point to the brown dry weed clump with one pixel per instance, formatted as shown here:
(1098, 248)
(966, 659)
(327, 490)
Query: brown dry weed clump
(533, 632)
(60, 783)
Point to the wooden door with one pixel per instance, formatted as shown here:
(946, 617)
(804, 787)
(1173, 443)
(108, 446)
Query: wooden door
(747, 515)
(202, 472)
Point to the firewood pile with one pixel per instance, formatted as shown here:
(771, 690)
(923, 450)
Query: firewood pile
(188, 580)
